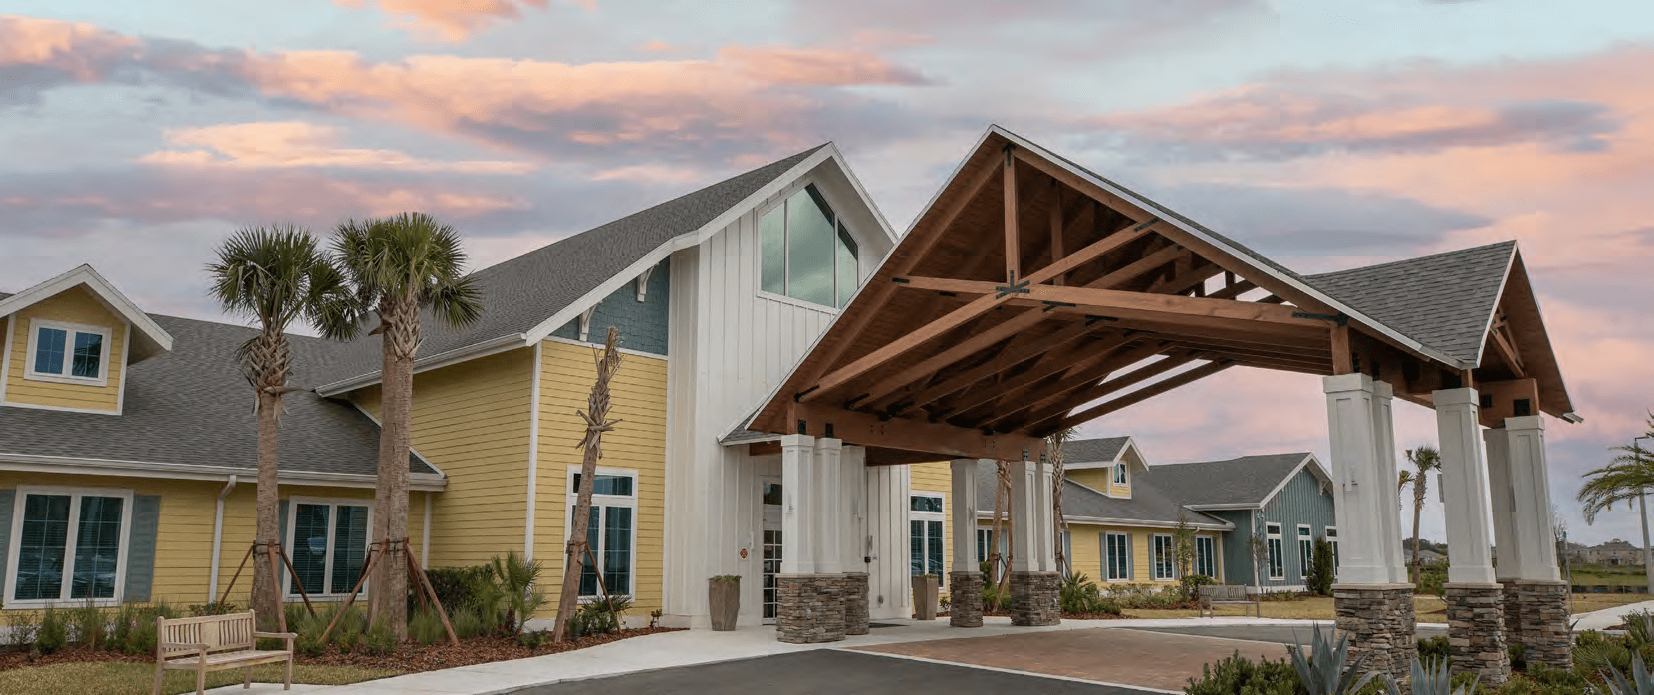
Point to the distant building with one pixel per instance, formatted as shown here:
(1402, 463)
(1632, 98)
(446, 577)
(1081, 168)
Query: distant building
(1614, 552)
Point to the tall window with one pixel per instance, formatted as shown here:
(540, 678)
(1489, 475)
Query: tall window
(1332, 539)
(328, 544)
(925, 537)
(1306, 550)
(1120, 474)
(1164, 565)
(611, 530)
(1206, 561)
(1272, 535)
(1117, 555)
(808, 253)
(66, 352)
(69, 544)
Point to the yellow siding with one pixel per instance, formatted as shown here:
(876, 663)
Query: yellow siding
(75, 305)
(471, 420)
(638, 442)
(183, 539)
(1088, 552)
(937, 477)
(1095, 478)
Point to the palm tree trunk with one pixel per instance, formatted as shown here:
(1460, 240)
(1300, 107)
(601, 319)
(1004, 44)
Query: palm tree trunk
(390, 580)
(1418, 509)
(266, 596)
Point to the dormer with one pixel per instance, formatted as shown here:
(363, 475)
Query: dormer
(66, 343)
(1106, 465)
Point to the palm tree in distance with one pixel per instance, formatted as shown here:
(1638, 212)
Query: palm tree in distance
(274, 275)
(1426, 459)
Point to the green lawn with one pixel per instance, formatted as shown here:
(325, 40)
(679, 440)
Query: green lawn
(1426, 609)
(115, 678)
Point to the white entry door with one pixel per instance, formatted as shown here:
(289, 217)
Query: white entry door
(771, 494)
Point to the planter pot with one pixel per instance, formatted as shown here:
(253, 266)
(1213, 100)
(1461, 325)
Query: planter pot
(725, 599)
(924, 597)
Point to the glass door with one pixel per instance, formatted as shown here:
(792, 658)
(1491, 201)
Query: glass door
(772, 545)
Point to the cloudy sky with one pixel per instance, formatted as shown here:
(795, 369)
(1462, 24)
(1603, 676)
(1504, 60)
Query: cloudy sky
(1327, 133)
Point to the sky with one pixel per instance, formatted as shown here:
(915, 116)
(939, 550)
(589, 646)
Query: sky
(1324, 133)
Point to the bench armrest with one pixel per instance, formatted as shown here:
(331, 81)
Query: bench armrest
(276, 635)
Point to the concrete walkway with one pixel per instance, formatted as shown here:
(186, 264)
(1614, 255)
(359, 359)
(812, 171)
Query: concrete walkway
(1609, 617)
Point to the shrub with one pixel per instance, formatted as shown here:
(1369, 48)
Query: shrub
(468, 622)
(455, 586)
(1080, 596)
(1639, 629)
(515, 579)
(1433, 647)
(215, 608)
(1238, 675)
(54, 631)
(1319, 580)
(597, 618)
(378, 640)
(425, 626)
(133, 628)
(89, 625)
(995, 598)
(21, 629)
(534, 639)
(1594, 653)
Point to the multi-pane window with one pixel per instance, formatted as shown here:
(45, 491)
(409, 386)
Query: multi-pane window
(1332, 540)
(1272, 537)
(67, 351)
(1117, 555)
(1120, 474)
(1165, 566)
(1306, 550)
(328, 545)
(808, 253)
(1206, 561)
(611, 531)
(68, 545)
(925, 535)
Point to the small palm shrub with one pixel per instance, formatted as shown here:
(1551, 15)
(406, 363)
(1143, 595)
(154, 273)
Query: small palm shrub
(1595, 652)
(1433, 647)
(1078, 595)
(598, 617)
(1325, 667)
(1639, 629)
(1238, 675)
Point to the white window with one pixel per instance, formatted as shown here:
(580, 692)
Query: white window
(1306, 550)
(68, 544)
(1332, 539)
(985, 548)
(1117, 556)
(327, 542)
(1120, 474)
(1165, 566)
(1206, 555)
(807, 252)
(67, 352)
(925, 542)
(1277, 568)
(611, 530)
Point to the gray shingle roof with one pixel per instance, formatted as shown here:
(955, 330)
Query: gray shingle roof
(192, 406)
(1241, 481)
(1146, 503)
(521, 293)
(1444, 301)
(1093, 450)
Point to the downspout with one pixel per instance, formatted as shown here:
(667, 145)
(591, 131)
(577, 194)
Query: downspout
(533, 455)
(425, 532)
(218, 537)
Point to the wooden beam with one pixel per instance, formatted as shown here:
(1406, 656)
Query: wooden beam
(756, 449)
(1021, 350)
(1052, 364)
(1081, 379)
(946, 441)
(1341, 356)
(1142, 394)
(1233, 290)
(1506, 349)
(1321, 363)
(1013, 238)
(1056, 228)
(1123, 304)
(1091, 393)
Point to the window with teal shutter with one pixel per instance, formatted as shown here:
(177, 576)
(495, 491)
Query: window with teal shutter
(69, 546)
(329, 545)
(97, 547)
(41, 547)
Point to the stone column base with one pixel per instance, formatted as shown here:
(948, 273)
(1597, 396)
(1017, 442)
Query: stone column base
(1035, 599)
(857, 620)
(965, 599)
(1514, 625)
(1379, 621)
(811, 608)
(1476, 631)
(1544, 611)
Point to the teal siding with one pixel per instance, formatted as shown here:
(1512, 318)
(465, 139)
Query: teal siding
(1237, 544)
(140, 555)
(1302, 501)
(7, 499)
(643, 325)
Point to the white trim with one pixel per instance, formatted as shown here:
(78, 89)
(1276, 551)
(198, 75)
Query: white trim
(1305, 562)
(126, 361)
(533, 455)
(800, 303)
(101, 288)
(570, 495)
(218, 538)
(586, 322)
(1269, 566)
(411, 448)
(425, 536)
(5, 358)
(72, 333)
(31, 463)
(58, 408)
(1316, 470)
(624, 351)
(940, 517)
(69, 544)
(1331, 534)
(1155, 559)
(643, 282)
(333, 503)
(1131, 571)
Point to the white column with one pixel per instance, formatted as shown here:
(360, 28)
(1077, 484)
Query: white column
(1358, 490)
(1464, 484)
(1384, 438)
(1024, 517)
(1045, 520)
(829, 517)
(1535, 537)
(1496, 443)
(797, 510)
(853, 541)
(964, 515)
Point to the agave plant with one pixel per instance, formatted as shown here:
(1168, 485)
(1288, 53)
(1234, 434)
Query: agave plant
(1641, 682)
(1328, 670)
(1433, 678)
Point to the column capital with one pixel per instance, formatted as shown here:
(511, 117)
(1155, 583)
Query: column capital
(1526, 422)
(829, 443)
(1383, 389)
(797, 441)
(1346, 382)
(1450, 397)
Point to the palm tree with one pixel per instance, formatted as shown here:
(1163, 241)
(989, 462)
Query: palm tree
(1425, 458)
(400, 268)
(274, 275)
(1054, 444)
(1622, 480)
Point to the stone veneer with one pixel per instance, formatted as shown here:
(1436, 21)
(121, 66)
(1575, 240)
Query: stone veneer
(1379, 621)
(857, 620)
(1035, 598)
(1543, 606)
(965, 599)
(1476, 631)
(1515, 627)
(810, 608)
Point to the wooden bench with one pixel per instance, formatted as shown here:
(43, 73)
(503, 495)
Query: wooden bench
(216, 643)
(1223, 594)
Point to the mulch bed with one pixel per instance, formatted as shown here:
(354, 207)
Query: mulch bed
(409, 658)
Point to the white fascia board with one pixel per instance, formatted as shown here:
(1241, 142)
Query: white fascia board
(1317, 471)
(866, 200)
(84, 274)
(411, 450)
(29, 463)
(436, 361)
(1504, 281)
(1224, 507)
(1113, 521)
(1242, 256)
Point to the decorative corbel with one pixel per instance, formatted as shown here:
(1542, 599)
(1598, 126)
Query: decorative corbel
(586, 322)
(643, 283)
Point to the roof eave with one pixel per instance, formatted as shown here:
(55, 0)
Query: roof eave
(154, 339)
(34, 463)
(429, 362)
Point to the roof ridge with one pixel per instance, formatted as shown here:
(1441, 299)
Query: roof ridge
(1231, 460)
(1509, 242)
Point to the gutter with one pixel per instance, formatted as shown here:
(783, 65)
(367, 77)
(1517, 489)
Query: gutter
(1110, 521)
(31, 463)
(218, 538)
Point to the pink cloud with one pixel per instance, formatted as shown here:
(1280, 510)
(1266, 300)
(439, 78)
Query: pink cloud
(294, 144)
(454, 20)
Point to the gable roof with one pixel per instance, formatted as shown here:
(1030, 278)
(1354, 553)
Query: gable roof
(189, 411)
(1081, 504)
(149, 339)
(1244, 482)
(1083, 451)
(523, 294)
